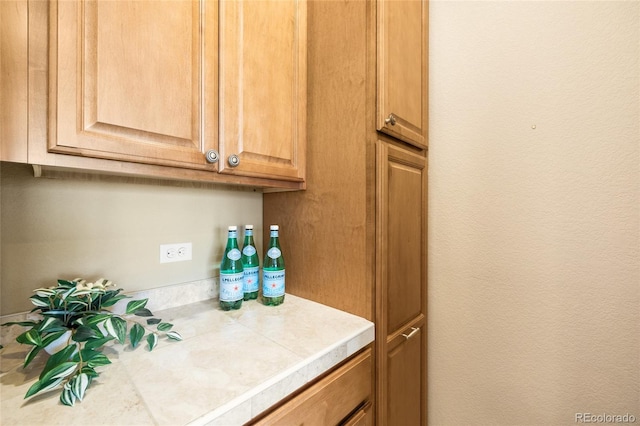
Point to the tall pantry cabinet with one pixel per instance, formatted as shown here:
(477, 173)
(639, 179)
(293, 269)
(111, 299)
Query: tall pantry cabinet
(356, 238)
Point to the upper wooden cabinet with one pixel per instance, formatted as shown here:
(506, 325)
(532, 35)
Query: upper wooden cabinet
(134, 81)
(263, 87)
(402, 57)
(161, 88)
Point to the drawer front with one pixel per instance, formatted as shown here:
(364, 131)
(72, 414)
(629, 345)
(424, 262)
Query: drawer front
(330, 400)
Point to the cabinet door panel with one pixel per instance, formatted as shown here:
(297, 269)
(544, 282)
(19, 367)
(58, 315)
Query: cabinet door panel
(263, 87)
(403, 192)
(402, 70)
(126, 80)
(401, 284)
(405, 369)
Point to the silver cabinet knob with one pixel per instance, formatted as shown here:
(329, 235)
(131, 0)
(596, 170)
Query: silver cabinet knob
(390, 120)
(233, 160)
(212, 156)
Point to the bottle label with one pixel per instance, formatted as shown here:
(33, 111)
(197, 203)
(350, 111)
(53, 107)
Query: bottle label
(232, 234)
(251, 279)
(234, 254)
(272, 283)
(248, 232)
(249, 251)
(231, 287)
(274, 253)
(273, 233)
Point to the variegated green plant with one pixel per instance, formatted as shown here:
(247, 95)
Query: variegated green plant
(81, 308)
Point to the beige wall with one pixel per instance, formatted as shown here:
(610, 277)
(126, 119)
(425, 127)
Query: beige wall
(534, 308)
(93, 227)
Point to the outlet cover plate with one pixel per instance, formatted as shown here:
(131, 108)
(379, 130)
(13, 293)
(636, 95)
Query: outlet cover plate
(178, 252)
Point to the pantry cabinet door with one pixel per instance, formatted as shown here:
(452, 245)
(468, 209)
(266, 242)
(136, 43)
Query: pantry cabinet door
(134, 80)
(401, 284)
(402, 98)
(263, 88)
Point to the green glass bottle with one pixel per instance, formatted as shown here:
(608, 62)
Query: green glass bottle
(250, 265)
(273, 271)
(231, 273)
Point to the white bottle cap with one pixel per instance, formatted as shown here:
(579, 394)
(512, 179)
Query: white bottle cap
(248, 227)
(273, 227)
(233, 228)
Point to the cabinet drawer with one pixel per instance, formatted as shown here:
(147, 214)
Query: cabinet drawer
(330, 400)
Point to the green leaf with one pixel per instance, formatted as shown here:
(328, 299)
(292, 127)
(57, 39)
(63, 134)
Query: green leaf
(89, 371)
(144, 312)
(42, 385)
(58, 358)
(86, 354)
(174, 335)
(134, 305)
(50, 325)
(60, 371)
(84, 333)
(79, 385)
(95, 319)
(110, 301)
(67, 397)
(152, 321)
(165, 326)
(97, 343)
(30, 337)
(34, 389)
(66, 284)
(152, 340)
(44, 292)
(117, 327)
(136, 334)
(52, 336)
(98, 360)
(41, 302)
(69, 292)
(22, 323)
(31, 355)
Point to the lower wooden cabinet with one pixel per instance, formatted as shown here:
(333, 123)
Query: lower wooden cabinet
(342, 397)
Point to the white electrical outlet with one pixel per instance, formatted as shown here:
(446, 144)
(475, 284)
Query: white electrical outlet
(175, 252)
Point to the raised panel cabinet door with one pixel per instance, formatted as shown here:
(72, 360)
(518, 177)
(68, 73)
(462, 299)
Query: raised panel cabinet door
(402, 99)
(263, 88)
(128, 80)
(402, 248)
(405, 374)
(401, 284)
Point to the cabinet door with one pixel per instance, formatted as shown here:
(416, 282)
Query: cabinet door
(405, 403)
(263, 88)
(402, 57)
(128, 80)
(401, 285)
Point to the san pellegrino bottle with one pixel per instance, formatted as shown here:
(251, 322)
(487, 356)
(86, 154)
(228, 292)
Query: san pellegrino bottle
(231, 273)
(273, 271)
(250, 265)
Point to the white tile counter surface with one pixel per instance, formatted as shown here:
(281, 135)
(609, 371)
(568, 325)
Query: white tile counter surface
(229, 367)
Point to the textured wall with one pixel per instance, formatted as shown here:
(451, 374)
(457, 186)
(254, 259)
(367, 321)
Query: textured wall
(534, 263)
(93, 227)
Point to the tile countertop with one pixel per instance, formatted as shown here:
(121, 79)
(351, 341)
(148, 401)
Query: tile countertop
(229, 367)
